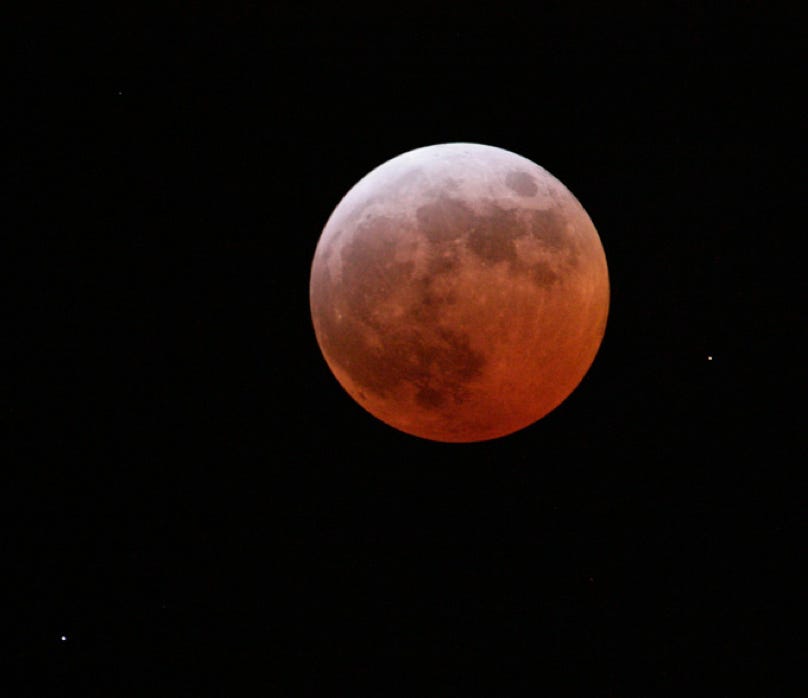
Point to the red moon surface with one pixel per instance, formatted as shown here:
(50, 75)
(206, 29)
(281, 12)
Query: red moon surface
(459, 292)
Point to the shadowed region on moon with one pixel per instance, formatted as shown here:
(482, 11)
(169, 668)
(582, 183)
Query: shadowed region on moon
(459, 314)
(492, 235)
(443, 220)
(436, 360)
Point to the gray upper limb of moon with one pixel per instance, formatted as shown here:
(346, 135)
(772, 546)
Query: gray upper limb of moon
(426, 176)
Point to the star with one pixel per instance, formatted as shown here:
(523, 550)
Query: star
(63, 638)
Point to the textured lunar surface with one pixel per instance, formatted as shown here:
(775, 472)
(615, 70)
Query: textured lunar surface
(459, 292)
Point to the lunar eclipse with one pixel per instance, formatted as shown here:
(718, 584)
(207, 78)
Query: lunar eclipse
(459, 292)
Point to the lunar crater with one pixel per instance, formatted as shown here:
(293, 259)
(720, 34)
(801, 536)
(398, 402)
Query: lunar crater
(521, 183)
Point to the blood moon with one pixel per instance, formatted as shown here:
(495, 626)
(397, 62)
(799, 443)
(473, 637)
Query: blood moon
(459, 292)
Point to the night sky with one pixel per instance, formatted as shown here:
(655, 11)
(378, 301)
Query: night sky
(192, 504)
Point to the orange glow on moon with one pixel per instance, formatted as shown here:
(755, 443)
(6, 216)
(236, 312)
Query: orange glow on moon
(459, 292)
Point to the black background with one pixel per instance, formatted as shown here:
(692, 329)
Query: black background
(198, 507)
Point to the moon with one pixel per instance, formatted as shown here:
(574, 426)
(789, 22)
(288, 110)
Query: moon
(459, 292)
